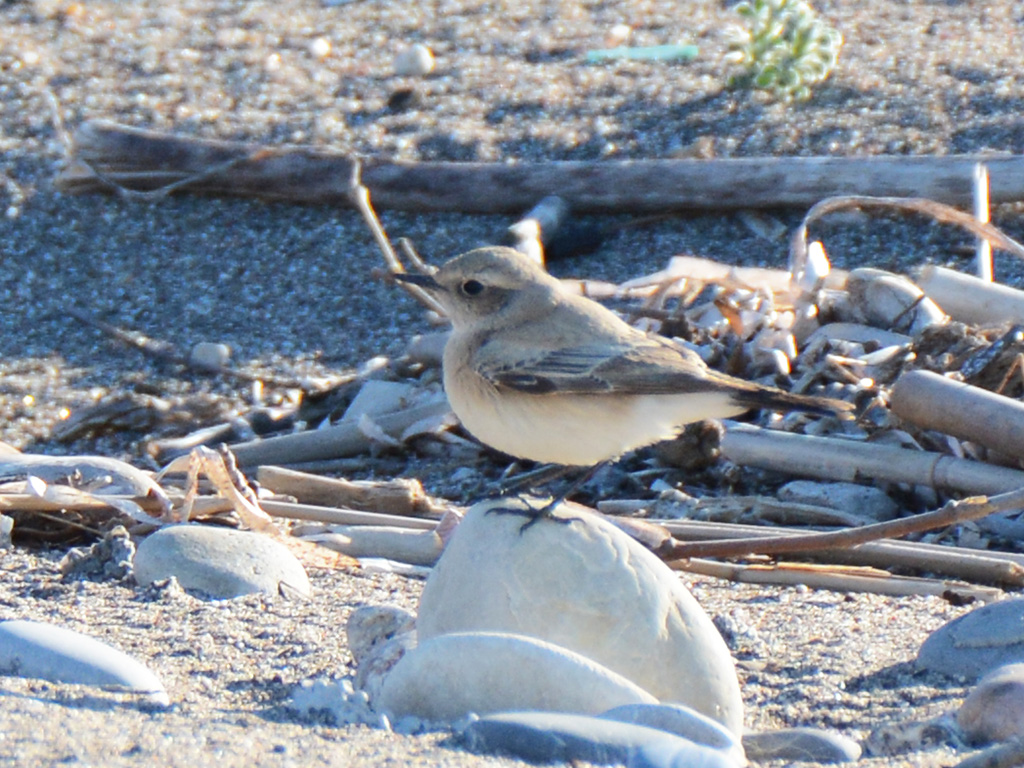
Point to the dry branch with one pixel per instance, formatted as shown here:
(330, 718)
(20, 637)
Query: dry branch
(108, 157)
(970, 299)
(836, 579)
(956, 511)
(968, 564)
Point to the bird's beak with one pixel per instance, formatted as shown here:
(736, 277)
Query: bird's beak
(426, 282)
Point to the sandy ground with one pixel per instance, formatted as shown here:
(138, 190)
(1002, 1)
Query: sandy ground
(289, 289)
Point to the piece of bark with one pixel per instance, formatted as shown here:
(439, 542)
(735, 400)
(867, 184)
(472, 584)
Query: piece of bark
(838, 579)
(956, 408)
(853, 461)
(970, 299)
(399, 496)
(137, 159)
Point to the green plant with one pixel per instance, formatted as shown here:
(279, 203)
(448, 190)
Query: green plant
(784, 47)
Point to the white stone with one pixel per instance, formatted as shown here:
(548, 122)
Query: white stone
(220, 562)
(448, 677)
(586, 586)
(416, 61)
(38, 650)
(209, 356)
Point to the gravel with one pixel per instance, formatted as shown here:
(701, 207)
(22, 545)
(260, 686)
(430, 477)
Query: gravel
(290, 290)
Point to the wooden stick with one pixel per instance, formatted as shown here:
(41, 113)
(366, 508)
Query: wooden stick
(956, 511)
(343, 516)
(400, 496)
(983, 252)
(106, 154)
(343, 439)
(836, 579)
(956, 408)
(1005, 568)
(970, 299)
(852, 461)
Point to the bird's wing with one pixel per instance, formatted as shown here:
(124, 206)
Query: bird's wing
(646, 367)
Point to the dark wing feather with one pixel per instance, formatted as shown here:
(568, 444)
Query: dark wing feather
(650, 368)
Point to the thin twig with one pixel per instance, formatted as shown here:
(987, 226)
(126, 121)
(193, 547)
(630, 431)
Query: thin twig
(359, 196)
(956, 511)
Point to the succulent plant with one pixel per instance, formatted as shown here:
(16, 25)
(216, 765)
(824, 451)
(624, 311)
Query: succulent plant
(783, 46)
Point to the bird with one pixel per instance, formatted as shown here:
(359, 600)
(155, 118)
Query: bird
(540, 373)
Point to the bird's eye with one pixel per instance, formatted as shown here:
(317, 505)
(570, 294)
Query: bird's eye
(472, 287)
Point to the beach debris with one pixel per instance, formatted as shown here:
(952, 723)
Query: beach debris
(110, 558)
(561, 737)
(994, 709)
(977, 642)
(51, 652)
(220, 562)
(667, 645)
(674, 52)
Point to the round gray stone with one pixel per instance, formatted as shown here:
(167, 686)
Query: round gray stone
(220, 562)
(979, 641)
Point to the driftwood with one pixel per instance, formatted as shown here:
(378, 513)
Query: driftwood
(853, 461)
(958, 562)
(109, 157)
(838, 579)
(400, 496)
(956, 511)
(970, 299)
(956, 408)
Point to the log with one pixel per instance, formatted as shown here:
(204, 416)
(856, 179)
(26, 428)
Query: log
(970, 299)
(106, 156)
(852, 461)
(956, 408)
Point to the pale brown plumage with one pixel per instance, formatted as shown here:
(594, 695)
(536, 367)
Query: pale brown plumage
(543, 374)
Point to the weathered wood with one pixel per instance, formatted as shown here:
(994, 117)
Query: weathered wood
(145, 160)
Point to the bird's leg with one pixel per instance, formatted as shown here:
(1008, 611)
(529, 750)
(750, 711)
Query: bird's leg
(547, 511)
(535, 477)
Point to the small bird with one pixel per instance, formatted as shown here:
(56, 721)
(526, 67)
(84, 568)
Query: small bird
(543, 374)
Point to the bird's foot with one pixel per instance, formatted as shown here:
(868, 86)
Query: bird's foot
(534, 514)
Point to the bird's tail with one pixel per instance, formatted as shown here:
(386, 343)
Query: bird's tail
(772, 399)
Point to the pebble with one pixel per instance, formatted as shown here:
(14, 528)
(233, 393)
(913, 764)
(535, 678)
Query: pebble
(680, 721)
(415, 61)
(864, 501)
(586, 586)
(450, 676)
(979, 641)
(886, 300)
(38, 650)
(209, 356)
(802, 745)
(561, 737)
(220, 562)
(994, 710)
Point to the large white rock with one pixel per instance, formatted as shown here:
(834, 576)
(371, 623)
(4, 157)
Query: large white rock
(220, 562)
(586, 586)
(448, 677)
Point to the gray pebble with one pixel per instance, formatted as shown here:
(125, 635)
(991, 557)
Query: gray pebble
(561, 737)
(801, 745)
(994, 710)
(38, 650)
(220, 562)
(977, 642)
(679, 720)
(865, 501)
(209, 356)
